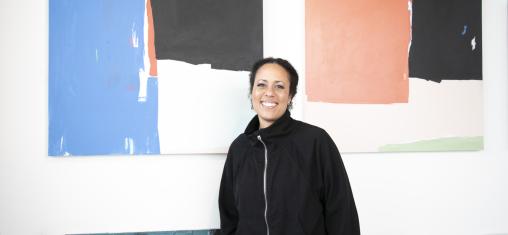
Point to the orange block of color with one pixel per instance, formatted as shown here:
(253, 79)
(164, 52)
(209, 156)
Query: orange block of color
(151, 40)
(357, 51)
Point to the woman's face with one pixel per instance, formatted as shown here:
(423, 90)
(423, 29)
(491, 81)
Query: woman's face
(270, 93)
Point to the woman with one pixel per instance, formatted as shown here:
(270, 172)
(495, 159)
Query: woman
(283, 176)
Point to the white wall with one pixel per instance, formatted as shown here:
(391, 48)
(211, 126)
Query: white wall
(404, 193)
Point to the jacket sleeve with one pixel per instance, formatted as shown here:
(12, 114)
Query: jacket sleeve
(227, 209)
(341, 217)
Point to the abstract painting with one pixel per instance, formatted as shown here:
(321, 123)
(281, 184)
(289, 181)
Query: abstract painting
(149, 77)
(397, 75)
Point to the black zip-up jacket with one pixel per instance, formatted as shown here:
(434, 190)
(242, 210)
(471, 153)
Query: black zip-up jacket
(287, 178)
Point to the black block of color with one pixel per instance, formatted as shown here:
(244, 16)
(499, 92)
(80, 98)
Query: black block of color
(442, 36)
(228, 34)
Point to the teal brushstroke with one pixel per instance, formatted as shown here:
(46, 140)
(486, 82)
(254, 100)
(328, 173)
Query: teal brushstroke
(186, 232)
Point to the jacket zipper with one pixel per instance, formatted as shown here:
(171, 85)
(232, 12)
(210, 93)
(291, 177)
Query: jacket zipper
(264, 185)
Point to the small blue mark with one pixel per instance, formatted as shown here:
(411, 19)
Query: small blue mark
(464, 31)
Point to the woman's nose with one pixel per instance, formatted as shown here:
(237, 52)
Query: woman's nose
(269, 91)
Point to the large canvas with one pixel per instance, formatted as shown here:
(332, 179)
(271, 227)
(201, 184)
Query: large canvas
(395, 75)
(150, 77)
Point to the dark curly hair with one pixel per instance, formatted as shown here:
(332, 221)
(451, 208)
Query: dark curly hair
(293, 75)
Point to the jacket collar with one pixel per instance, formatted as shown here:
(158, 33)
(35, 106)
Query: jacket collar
(280, 127)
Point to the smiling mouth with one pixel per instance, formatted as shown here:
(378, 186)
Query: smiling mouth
(269, 105)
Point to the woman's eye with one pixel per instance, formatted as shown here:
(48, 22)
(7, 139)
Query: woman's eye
(260, 85)
(280, 86)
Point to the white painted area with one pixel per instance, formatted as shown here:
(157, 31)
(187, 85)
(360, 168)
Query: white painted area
(129, 145)
(143, 85)
(144, 73)
(201, 110)
(410, 10)
(61, 143)
(134, 37)
(213, 103)
(284, 37)
(473, 43)
(457, 193)
(432, 112)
